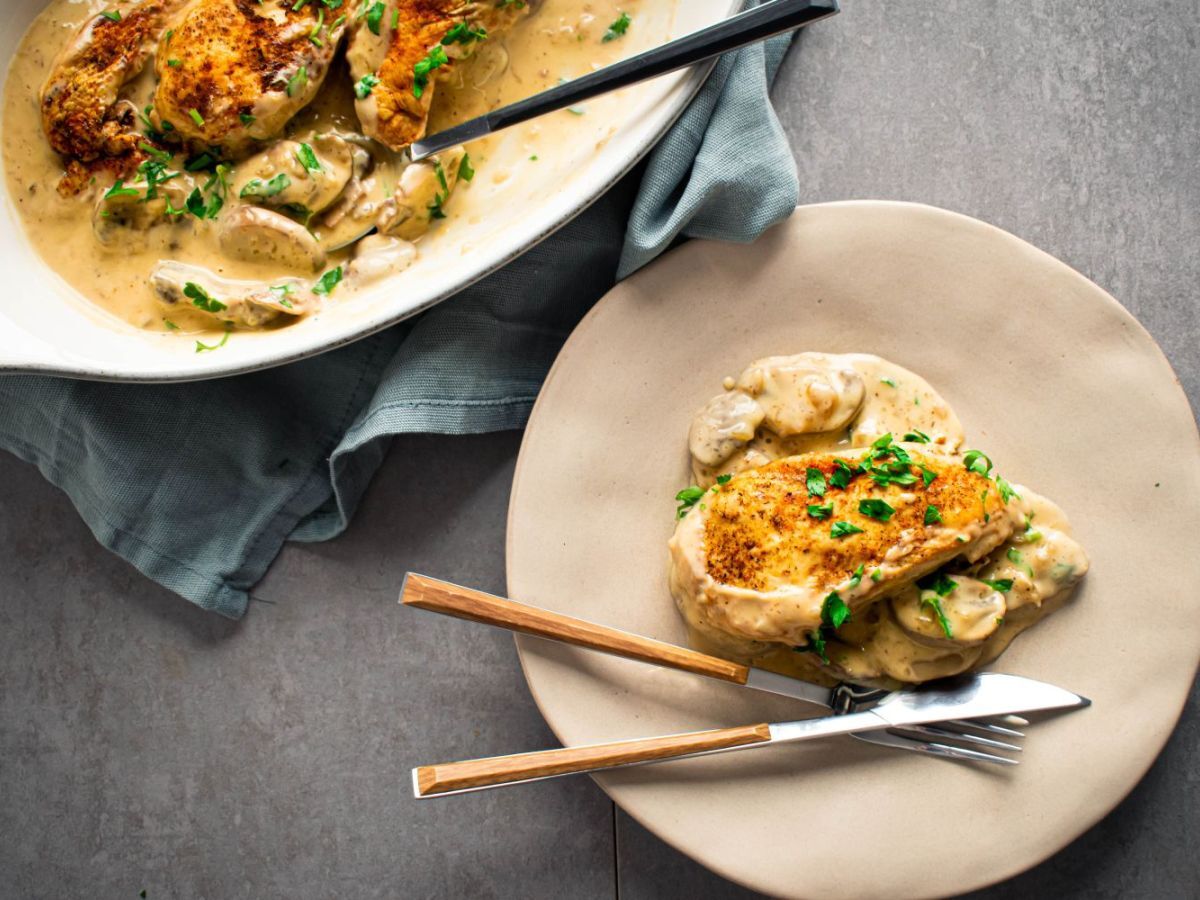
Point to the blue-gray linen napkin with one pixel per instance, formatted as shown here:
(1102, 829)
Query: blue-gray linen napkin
(199, 485)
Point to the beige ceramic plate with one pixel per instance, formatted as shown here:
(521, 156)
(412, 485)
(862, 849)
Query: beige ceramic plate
(1048, 373)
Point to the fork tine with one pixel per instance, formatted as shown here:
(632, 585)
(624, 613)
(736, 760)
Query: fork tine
(947, 751)
(986, 726)
(963, 736)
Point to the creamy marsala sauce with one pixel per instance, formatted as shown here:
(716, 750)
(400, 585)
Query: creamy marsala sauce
(909, 622)
(264, 277)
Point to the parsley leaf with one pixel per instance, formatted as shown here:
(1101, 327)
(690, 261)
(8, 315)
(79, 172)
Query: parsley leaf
(844, 529)
(466, 173)
(936, 604)
(940, 583)
(723, 479)
(462, 33)
(876, 509)
(366, 84)
(202, 347)
(856, 578)
(842, 474)
(256, 187)
(299, 81)
(374, 16)
(434, 59)
(328, 281)
(928, 475)
(933, 515)
(877, 576)
(688, 498)
(888, 381)
(977, 461)
(201, 298)
(834, 611)
(814, 480)
(1006, 490)
(618, 28)
(1003, 585)
(112, 15)
(916, 436)
(119, 190)
(307, 157)
(820, 512)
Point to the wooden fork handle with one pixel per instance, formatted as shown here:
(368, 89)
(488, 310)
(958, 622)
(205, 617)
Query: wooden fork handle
(429, 781)
(464, 603)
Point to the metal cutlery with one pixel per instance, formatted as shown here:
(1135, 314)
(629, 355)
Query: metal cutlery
(966, 697)
(434, 595)
(753, 25)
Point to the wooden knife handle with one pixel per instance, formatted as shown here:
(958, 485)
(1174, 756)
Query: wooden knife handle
(429, 781)
(464, 603)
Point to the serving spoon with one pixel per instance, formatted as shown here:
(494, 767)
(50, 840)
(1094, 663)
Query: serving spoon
(749, 27)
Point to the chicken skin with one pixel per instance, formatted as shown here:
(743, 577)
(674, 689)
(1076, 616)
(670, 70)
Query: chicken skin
(234, 72)
(399, 50)
(81, 115)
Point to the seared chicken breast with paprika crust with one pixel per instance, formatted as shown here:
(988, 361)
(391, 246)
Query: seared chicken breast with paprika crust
(836, 532)
(81, 115)
(233, 72)
(398, 51)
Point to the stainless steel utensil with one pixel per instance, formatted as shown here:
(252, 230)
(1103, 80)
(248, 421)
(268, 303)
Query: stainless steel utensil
(973, 696)
(431, 594)
(753, 25)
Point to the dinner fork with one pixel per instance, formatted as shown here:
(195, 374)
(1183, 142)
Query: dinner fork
(942, 739)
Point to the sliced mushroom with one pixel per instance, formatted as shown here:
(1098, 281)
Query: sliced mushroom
(129, 222)
(308, 175)
(378, 256)
(355, 213)
(248, 303)
(253, 234)
(423, 190)
(970, 613)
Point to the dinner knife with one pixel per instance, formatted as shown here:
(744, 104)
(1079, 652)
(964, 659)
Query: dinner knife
(966, 697)
(748, 27)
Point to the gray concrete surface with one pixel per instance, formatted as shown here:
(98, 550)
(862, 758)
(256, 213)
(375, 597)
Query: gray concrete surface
(147, 745)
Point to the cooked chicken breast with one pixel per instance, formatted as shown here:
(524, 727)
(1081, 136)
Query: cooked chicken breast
(399, 50)
(81, 115)
(232, 72)
(758, 556)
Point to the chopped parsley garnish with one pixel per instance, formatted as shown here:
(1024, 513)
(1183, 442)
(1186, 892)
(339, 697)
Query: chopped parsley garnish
(199, 119)
(169, 325)
(396, 19)
(816, 644)
(723, 479)
(374, 14)
(466, 173)
(119, 190)
(688, 498)
(366, 84)
(814, 480)
(201, 298)
(246, 118)
(202, 209)
(842, 474)
(933, 515)
(618, 28)
(888, 381)
(315, 34)
(298, 81)
(112, 15)
(928, 475)
(844, 529)
(856, 578)
(1006, 490)
(434, 59)
(936, 604)
(462, 33)
(987, 516)
(256, 187)
(328, 281)
(940, 583)
(203, 161)
(1003, 585)
(820, 512)
(307, 157)
(877, 576)
(201, 347)
(977, 461)
(834, 611)
(174, 63)
(876, 509)
(916, 436)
